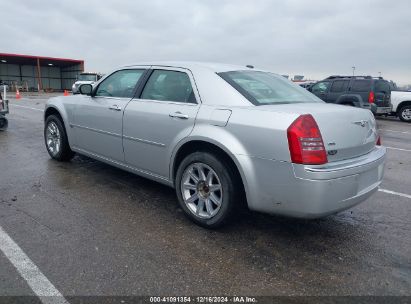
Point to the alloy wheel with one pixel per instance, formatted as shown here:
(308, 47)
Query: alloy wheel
(53, 138)
(406, 114)
(201, 190)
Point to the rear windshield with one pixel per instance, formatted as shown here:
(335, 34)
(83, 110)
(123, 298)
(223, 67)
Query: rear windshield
(382, 86)
(263, 88)
(86, 77)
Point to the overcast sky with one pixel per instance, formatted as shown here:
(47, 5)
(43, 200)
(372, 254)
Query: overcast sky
(314, 38)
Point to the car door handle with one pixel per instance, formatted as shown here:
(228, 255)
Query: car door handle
(114, 108)
(179, 115)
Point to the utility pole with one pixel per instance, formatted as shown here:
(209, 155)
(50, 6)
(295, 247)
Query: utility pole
(353, 70)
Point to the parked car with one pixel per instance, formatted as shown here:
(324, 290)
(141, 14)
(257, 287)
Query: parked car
(85, 78)
(401, 104)
(221, 134)
(372, 93)
(305, 84)
(4, 108)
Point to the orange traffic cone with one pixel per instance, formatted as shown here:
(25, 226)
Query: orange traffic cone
(66, 93)
(18, 94)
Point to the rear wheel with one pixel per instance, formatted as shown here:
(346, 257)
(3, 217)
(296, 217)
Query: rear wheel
(405, 113)
(205, 189)
(55, 138)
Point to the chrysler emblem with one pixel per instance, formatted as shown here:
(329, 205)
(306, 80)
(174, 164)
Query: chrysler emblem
(361, 123)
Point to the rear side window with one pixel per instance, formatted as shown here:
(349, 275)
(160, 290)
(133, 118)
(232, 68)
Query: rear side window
(339, 86)
(165, 85)
(361, 85)
(382, 86)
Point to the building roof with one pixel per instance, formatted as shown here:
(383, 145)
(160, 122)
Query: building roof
(32, 60)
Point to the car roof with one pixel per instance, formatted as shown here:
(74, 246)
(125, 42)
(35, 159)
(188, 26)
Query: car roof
(194, 65)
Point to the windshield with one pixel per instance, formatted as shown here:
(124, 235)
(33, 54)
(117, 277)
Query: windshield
(86, 77)
(263, 88)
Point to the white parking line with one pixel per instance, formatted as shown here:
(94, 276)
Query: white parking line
(395, 193)
(14, 105)
(40, 285)
(392, 148)
(394, 131)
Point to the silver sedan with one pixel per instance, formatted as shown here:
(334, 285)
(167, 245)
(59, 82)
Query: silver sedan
(222, 135)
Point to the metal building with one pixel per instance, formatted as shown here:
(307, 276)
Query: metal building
(33, 73)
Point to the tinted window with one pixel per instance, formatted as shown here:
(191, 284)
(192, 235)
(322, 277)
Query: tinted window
(320, 87)
(262, 88)
(361, 86)
(169, 86)
(339, 86)
(382, 86)
(120, 84)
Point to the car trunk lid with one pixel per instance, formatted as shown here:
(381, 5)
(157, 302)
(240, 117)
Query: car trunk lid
(347, 132)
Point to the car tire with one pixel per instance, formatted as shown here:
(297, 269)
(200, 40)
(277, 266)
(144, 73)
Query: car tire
(55, 139)
(405, 113)
(197, 194)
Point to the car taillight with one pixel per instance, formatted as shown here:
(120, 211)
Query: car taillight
(305, 142)
(378, 143)
(371, 97)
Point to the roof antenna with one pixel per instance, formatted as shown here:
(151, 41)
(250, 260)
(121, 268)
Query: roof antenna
(250, 66)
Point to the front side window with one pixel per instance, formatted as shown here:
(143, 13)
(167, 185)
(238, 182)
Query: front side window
(167, 85)
(321, 87)
(120, 84)
(262, 88)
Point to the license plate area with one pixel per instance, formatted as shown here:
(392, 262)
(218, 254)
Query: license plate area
(367, 179)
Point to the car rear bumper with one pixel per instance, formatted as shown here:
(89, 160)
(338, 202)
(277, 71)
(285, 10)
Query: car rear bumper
(382, 110)
(313, 191)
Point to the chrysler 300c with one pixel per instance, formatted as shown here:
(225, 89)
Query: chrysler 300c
(222, 135)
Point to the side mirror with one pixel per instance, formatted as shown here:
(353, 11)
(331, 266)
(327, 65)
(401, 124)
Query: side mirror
(86, 89)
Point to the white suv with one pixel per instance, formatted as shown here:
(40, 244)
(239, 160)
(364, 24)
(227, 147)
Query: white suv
(85, 78)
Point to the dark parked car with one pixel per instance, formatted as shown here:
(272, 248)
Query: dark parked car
(4, 109)
(372, 93)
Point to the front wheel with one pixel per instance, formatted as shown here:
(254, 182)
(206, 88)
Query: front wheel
(405, 113)
(55, 138)
(206, 189)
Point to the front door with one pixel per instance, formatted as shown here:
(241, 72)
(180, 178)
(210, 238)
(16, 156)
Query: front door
(98, 120)
(321, 89)
(162, 116)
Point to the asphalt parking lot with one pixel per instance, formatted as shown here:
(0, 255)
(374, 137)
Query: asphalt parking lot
(91, 229)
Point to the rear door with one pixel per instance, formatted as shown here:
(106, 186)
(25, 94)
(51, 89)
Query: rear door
(321, 89)
(155, 122)
(362, 87)
(337, 88)
(98, 119)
